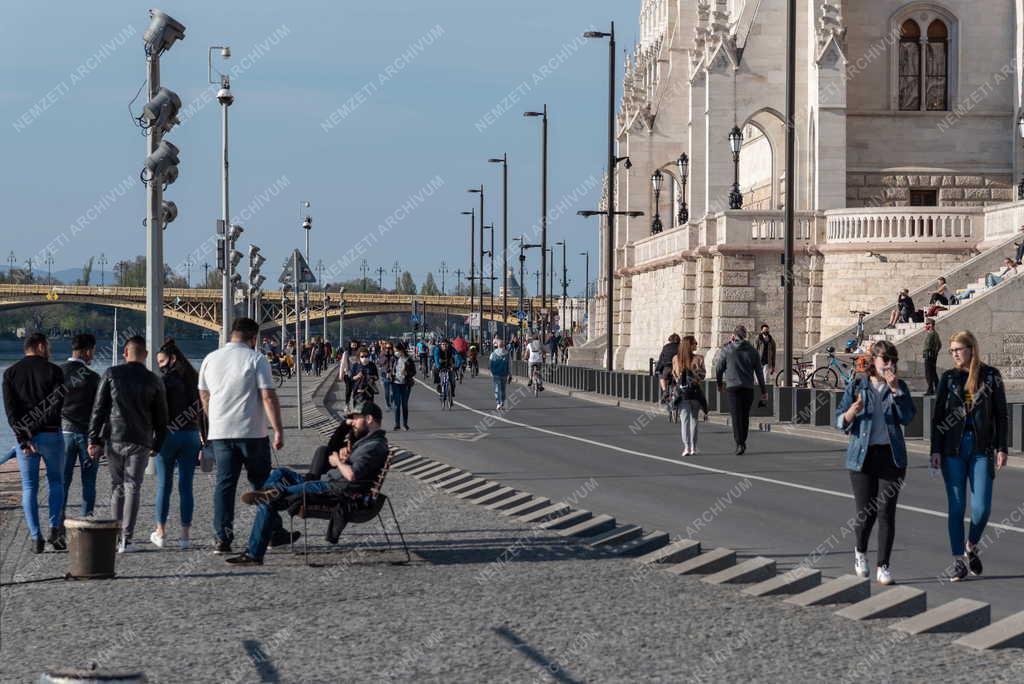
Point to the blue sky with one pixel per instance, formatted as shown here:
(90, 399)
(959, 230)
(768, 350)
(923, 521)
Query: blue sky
(72, 155)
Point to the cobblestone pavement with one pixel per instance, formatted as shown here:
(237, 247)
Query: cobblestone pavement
(485, 599)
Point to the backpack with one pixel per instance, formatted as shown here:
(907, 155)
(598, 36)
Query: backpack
(410, 369)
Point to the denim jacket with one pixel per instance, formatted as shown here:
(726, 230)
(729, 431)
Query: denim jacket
(899, 411)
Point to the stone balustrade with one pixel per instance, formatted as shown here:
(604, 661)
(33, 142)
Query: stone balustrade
(905, 225)
(763, 228)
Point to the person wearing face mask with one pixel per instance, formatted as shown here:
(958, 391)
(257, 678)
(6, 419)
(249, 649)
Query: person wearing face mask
(186, 435)
(873, 410)
(364, 377)
(970, 428)
(350, 356)
(387, 371)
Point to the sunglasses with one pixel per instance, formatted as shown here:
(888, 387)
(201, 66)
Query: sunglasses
(886, 358)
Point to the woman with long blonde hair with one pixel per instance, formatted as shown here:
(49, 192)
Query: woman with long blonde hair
(688, 371)
(969, 442)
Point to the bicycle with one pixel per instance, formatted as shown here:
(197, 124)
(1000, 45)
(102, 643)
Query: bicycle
(800, 375)
(536, 380)
(278, 373)
(447, 401)
(670, 404)
(859, 335)
(828, 376)
(474, 367)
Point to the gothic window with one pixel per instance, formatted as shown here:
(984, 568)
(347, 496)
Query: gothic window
(937, 60)
(910, 66)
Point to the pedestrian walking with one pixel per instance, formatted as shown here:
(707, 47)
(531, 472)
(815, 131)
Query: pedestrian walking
(873, 410)
(387, 370)
(688, 372)
(238, 396)
(499, 366)
(129, 424)
(364, 377)
(932, 346)
(737, 368)
(33, 400)
(766, 350)
(186, 434)
(345, 369)
(970, 426)
(401, 384)
(80, 387)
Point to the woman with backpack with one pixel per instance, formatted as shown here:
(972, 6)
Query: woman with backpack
(401, 384)
(688, 372)
(873, 410)
(969, 443)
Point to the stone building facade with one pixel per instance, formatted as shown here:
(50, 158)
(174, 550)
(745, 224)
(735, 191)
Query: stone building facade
(906, 155)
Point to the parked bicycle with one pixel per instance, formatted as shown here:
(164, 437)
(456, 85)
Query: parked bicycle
(822, 377)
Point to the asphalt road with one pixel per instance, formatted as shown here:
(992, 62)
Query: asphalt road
(787, 498)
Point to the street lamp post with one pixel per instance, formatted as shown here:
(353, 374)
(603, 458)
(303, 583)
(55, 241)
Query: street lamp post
(1020, 131)
(307, 225)
(657, 179)
(735, 144)
(492, 277)
(49, 268)
(341, 319)
(11, 260)
(504, 243)
(472, 258)
(683, 164)
(226, 98)
(480, 308)
(586, 284)
(565, 275)
(284, 315)
(543, 114)
(327, 301)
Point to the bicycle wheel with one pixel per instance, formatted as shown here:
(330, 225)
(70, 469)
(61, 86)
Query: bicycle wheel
(824, 378)
(797, 379)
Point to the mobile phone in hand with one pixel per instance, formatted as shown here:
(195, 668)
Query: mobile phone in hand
(206, 463)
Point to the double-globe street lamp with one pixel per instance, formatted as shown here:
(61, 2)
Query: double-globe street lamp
(735, 144)
(683, 164)
(657, 179)
(1020, 131)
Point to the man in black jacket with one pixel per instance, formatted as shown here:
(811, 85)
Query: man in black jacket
(737, 368)
(130, 403)
(80, 386)
(663, 369)
(33, 398)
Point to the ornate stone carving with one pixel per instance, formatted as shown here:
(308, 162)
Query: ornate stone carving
(830, 25)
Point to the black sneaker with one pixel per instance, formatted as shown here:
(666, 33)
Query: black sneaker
(283, 537)
(974, 563)
(38, 545)
(222, 547)
(243, 559)
(57, 539)
(959, 571)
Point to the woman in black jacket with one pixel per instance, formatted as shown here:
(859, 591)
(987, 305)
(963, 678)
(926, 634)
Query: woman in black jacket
(186, 435)
(969, 442)
(663, 369)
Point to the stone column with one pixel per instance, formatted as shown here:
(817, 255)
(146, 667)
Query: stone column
(733, 295)
(703, 299)
(830, 112)
(696, 141)
(718, 121)
(813, 316)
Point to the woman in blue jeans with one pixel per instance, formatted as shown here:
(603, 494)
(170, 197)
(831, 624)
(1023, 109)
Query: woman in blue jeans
(969, 442)
(401, 385)
(185, 437)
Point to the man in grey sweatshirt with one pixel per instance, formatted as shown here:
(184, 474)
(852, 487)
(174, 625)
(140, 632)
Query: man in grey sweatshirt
(738, 365)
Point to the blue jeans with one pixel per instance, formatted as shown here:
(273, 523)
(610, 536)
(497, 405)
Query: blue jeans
(181, 448)
(75, 449)
(499, 389)
(12, 453)
(231, 455)
(387, 391)
(50, 450)
(991, 280)
(267, 517)
(957, 471)
(400, 401)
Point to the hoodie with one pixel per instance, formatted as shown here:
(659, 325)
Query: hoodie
(739, 364)
(499, 362)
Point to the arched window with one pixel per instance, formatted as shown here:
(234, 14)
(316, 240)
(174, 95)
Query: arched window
(910, 66)
(925, 75)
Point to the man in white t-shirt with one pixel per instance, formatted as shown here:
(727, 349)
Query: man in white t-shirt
(239, 399)
(535, 355)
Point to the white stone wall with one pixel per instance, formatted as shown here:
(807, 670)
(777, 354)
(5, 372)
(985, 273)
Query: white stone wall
(657, 312)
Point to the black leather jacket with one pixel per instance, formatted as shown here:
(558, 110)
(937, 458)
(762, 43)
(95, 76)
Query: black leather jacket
(131, 399)
(80, 386)
(665, 358)
(988, 413)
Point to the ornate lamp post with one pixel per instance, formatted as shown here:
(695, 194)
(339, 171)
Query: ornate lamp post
(735, 143)
(657, 179)
(1020, 130)
(683, 164)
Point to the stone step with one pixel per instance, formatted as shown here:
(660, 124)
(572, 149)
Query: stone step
(706, 563)
(464, 486)
(1006, 633)
(794, 581)
(903, 601)
(676, 552)
(548, 512)
(590, 527)
(960, 615)
(533, 504)
(485, 487)
(408, 462)
(453, 481)
(615, 537)
(845, 589)
(444, 475)
(568, 519)
(756, 569)
(516, 500)
(422, 468)
(430, 472)
(640, 546)
(498, 495)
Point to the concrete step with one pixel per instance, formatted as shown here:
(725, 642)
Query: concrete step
(706, 563)
(676, 552)
(430, 472)
(590, 527)
(497, 495)
(444, 474)
(793, 581)
(641, 546)
(756, 569)
(960, 615)
(845, 589)
(903, 601)
(1007, 633)
(516, 500)
(466, 485)
(453, 481)
(547, 513)
(569, 519)
(617, 536)
(535, 503)
(476, 492)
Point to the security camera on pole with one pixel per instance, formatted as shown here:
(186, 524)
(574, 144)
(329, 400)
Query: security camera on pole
(256, 261)
(225, 245)
(161, 167)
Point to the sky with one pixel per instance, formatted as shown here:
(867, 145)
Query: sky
(379, 114)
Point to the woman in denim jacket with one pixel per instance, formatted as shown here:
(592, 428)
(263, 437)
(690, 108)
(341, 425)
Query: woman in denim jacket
(969, 441)
(873, 411)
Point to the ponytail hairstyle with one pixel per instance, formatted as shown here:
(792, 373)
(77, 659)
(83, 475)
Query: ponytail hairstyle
(966, 338)
(181, 363)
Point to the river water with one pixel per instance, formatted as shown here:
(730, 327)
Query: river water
(60, 350)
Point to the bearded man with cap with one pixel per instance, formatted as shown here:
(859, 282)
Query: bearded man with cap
(355, 469)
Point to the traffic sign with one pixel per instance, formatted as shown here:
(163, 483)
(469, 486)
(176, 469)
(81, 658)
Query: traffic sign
(474, 319)
(521, 315)
(286, 272)
(305, 273)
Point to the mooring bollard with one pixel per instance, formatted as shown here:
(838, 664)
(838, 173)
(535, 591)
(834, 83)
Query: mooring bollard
(92, 547)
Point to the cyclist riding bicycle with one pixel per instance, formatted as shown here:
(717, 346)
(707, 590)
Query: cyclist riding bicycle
(421, 351)
(471, 357)
(535, 351)
(444, 357)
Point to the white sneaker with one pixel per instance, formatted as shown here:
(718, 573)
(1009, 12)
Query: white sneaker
(156, 540)
(185, 544)
(127, 547)
(860, 564)
(883, 575)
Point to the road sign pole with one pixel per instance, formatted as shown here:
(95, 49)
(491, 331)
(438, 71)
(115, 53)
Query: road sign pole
(298, 350)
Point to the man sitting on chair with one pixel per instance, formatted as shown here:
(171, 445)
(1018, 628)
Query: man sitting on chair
(354, 473)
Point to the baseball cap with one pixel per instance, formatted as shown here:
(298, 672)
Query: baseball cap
(366, 408)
